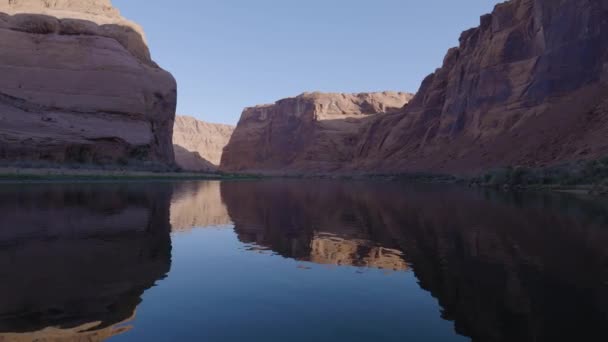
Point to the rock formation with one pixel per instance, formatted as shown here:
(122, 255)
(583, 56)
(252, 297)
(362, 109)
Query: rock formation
(78, 86)
(199, 145)
(311, 132)
(526, 88)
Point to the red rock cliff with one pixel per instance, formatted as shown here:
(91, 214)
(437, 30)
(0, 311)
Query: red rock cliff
(78, 86)
(526, 87)
(313, 132)
(199, 145)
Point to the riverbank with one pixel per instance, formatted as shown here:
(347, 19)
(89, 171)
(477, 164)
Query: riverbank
(508, 179)
(43, 174)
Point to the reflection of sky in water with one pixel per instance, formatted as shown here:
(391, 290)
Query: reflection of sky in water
(299, 260)
(218, 290)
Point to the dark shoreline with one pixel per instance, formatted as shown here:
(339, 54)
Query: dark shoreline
(519, 182)
(58, 174)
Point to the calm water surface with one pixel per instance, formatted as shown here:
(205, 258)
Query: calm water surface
(299, 261)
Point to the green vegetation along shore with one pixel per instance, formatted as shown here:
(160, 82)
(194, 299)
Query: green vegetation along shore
(32, 174)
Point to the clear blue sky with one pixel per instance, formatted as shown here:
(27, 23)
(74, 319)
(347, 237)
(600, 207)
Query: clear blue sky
(230, 54)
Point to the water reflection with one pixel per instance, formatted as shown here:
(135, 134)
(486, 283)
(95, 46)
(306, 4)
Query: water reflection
(313, 222)
(197, 205)
(504, 267)
(75, 259)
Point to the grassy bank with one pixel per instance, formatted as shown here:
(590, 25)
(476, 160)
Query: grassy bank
(591, 176)
(584, 176)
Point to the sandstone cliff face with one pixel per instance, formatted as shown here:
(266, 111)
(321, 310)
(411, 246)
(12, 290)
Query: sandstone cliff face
(311, 132)
(526, 87)
(78, 86)
(199, 145)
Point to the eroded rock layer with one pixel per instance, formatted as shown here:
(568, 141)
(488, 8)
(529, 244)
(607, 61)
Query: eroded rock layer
(199, 145)
(78, 86)
(527, 87)
(311, 132)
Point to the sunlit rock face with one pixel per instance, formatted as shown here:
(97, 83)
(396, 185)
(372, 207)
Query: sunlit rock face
(75, 259)
(199, 145)
(526, 87)
(198, 205)
(313, 132)
(78, 86)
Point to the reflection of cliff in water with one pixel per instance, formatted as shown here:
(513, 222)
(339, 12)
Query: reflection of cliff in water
(196, 205)
(310, 223)
(504, 267)
(75, 259)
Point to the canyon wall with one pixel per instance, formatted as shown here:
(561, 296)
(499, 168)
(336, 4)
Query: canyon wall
(528, 87)
(79, 86)
(199, 145)
(311, 132)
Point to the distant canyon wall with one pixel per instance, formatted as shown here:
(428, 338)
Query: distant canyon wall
(199, 145)
(310, 132)
(527, 87)
(79, 86)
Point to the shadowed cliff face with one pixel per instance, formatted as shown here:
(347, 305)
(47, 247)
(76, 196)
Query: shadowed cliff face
(504, 267)
(526, 87)
(75, 259)
(79, 87)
